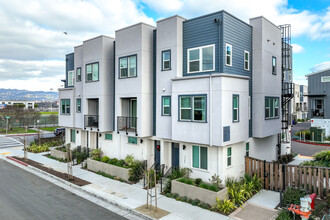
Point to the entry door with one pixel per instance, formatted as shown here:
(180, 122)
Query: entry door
(157, 153)
(133, 112)
(175, 155)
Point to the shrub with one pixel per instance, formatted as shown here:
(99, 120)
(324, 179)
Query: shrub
(136, 171)
(80, 154)
(186, 181)
(237, 194)
(229, 181)
(129, 160)
(284, 215)
(168, 194)
(287, 158)
(113, 161)
(120, 163)
(323, 156)
(213, 188)
(97, 154)
(176, 173)
(215, 180)
(198, 181)
(178, 198)
(204, 186)
(292, 196)
(225, 206)
(105, 159)
(175, 195)
(307, 134)
(195, 202)
(184, 199)
(189, 200)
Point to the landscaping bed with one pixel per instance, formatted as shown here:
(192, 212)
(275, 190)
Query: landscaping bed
(77, 181)
(59, 154)
(322, 159)
(204, 192)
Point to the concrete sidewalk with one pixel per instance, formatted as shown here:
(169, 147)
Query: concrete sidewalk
(125, 196)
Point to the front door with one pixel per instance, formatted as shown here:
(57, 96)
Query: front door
(175, 155)
(157, 153)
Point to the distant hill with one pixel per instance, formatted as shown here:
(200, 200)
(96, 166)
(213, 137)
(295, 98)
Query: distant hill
(16, 94)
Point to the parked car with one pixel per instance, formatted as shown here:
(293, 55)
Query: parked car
(59, 131)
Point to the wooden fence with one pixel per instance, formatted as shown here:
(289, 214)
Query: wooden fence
(276, 176)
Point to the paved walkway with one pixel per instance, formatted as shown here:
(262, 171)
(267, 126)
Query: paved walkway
(125, 196)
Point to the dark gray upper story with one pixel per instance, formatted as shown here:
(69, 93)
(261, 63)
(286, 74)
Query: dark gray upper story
(319, 94)
(69, 66)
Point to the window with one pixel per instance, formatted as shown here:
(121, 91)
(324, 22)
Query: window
(201, 59)
(78, 74)
(78, 105)
(92, 72)
(65, 106)
(271, 107)
(193, 108)
(70, 78)
(274, 65)
(108, 136)
(228, 156)
(199, 157)
(166, 60)
(235, 108)
(229, 55)
(325, 79)
(246, 60)
(127, 67)
(247, 149)
(132, 140)
(166, 105)
(73, 136)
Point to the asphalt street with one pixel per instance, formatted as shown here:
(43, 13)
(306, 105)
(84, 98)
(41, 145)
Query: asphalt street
(26, 196)
(307, 149)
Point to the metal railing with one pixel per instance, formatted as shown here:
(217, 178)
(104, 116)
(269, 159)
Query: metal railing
(318, 112)
(91, 121)
(127, 124)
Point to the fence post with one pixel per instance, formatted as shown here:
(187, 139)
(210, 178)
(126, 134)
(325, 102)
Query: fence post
(265, 174)
(284, 171)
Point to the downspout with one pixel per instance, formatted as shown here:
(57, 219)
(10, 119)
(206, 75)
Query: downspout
(210, 110)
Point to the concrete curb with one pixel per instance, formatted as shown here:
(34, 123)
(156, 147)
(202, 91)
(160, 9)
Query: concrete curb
(125, 208)
(311, 143)
(13, 159)
(23, 134)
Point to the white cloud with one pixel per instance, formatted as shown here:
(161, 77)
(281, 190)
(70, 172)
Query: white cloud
(296, 48)
(165, 6)
(301, 80)
(321, 66)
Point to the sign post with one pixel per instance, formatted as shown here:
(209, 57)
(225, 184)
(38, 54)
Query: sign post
(7, 117)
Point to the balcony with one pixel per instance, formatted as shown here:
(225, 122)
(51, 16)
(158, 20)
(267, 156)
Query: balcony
(91, 121)
(127, 124)
(318, 113)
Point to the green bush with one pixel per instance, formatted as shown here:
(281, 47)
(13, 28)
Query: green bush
(168, 194)
(237, 194)
(97, 154)
(129, 160)
(287, 158)
(307, 134)
(213, 188)
(120, 163)
(284, 215)
(177, 173)
(225, 206)
(292, 196)
(195, 202)
(198, 181)
(184, 199)
(38, 148)
(189, 200)
(178, 198)
(175, 195)
(215, 180)
(204, 186)
(323, 156)
(136, 171)
(80, 154)
(113, 161)
(105, 159)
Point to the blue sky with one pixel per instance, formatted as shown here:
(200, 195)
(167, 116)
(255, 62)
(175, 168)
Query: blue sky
(33, 45)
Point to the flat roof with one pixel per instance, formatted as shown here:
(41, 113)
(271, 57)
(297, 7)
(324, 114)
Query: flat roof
(317, 72)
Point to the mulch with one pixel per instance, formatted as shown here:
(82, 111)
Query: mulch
(77, 181)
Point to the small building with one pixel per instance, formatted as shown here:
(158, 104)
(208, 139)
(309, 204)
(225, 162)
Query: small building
(300, 102)
(27, 104)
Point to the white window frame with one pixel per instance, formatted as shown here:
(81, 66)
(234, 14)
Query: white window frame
(200, 59)
(199, 162)
(231, 55)
(247, 61)
(71, 78)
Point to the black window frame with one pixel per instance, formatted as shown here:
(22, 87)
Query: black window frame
(78, 79)
(170, 65)
(127, 60)
(98, 74)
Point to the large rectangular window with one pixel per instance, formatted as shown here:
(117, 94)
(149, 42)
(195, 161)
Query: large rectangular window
(65, 106)
(247, 149)
(246, 60)
(108, 136)
(70, 78)
(271, 107)
(166, 105)
(274, 65)
(229, 156)
(78, 105)
(127, 66)
(199, 157)
(92, 72)
(78, 77)
(192, 108)
(166, 60)
(201, 59)
(229, 55)
(235, 108)
(132, 140)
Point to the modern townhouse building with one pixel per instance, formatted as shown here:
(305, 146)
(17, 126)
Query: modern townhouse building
(300, 102)
(200, 93)
(319, 99)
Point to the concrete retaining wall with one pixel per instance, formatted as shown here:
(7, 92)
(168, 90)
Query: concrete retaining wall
(58, 154)
(195, 192)
(96, 166)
